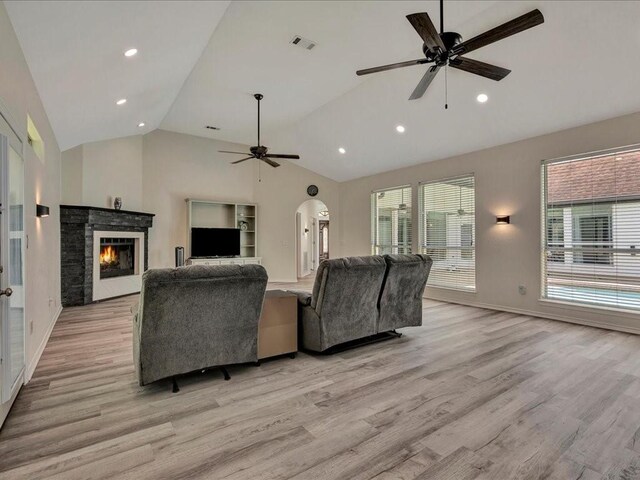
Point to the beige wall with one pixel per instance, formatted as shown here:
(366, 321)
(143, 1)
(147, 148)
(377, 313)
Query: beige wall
(19, 98)
(173, 167)
(113, 169)
(71, 173)
(177, 167)
(95, 173)
(279, 195)
(507, 183)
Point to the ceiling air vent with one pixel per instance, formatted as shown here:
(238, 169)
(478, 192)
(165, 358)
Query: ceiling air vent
(212, 128)
(303, 42)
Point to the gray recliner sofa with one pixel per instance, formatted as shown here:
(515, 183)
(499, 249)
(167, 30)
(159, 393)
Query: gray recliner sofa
(196, 317)
(357, 297)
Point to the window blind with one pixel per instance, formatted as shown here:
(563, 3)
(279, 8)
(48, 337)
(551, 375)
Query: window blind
(391, 221)
(447, 231)
(591, 229)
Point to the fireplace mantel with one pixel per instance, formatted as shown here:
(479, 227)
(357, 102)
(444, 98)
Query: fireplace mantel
(77, 226)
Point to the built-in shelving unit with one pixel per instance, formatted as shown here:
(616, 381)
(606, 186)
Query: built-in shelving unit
(212, 214)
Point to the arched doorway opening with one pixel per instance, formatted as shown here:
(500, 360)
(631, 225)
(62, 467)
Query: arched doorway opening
(312, 236)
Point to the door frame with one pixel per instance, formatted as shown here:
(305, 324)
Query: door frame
(8, 390)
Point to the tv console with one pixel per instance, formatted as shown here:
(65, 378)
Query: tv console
(225, 261)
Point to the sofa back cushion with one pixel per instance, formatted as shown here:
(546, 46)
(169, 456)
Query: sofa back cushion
(345, 297)
(198, 316)
(401, 295)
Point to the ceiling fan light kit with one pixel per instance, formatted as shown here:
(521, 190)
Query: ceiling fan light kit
(446, 49)
(259, 151)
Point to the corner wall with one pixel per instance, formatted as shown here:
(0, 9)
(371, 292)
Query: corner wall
(19, 98)
(508, 182)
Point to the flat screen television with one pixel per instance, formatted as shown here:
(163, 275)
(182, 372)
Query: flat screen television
(215, 242)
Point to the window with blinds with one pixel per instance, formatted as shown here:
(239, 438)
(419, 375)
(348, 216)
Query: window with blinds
(391, 221)
(447, 231)
(591, 229)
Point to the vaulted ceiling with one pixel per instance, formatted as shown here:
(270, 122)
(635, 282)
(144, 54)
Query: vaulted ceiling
(200, 62)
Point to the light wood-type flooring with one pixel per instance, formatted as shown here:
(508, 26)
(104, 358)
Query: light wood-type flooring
(472, 394)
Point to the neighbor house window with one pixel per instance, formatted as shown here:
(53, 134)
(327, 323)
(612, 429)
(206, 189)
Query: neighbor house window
(391, 221)
(591, 214)
(447, 231)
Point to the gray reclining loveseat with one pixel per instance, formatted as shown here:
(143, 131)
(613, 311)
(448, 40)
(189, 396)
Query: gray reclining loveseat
(357, 297)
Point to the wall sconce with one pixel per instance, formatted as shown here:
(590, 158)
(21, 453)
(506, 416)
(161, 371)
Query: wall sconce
(42, 210)
(503, 220)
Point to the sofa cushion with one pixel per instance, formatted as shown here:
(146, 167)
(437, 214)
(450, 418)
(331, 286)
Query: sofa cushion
(345, 297)
(400, 300)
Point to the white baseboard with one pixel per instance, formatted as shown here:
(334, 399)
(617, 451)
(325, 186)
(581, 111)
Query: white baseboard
(36, 358)
(550, 316)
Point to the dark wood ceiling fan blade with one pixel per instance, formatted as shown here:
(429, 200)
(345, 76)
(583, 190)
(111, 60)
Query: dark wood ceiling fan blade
(479, 68)
(239, 153)
(424, 83)
(280, 155)
(427, 31)
(270, 162)
(243, 160)
(517, 25)
(391, 66)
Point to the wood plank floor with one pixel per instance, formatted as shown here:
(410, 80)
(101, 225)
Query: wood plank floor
(473, 394)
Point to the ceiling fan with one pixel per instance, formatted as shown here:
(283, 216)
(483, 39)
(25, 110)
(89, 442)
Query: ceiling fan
(260, 151)
(447, 48)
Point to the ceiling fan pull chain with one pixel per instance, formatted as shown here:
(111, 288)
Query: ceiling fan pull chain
(441, 17)
(446, 88)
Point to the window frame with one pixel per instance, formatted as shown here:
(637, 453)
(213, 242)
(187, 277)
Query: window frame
(399, 247)
(611, 202)
(422, 232)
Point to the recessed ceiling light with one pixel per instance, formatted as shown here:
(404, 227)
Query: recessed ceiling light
(131, 52)
(122, 101)
(482, 98)
(141, 124)
(400, 129)
(342, 150)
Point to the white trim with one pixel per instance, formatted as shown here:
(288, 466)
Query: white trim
(447, 179)
(590, 307)
(544, 315)
(593, 154)
(473, 291)
(408, 185)
(36, 358)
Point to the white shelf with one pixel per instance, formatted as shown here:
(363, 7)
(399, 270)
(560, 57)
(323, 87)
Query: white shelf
(216, 214)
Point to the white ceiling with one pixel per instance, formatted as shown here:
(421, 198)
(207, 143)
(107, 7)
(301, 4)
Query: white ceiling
(578, 67)
(75, 53)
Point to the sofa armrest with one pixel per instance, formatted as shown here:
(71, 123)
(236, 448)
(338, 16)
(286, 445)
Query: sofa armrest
(304, 298)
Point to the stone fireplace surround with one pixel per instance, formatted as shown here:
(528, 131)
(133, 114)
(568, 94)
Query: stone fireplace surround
(78, 227)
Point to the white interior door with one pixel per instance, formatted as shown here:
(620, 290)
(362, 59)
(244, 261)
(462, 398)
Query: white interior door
(12, 237)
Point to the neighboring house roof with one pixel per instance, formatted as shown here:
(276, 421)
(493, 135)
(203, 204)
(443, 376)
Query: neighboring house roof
(598, 178)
